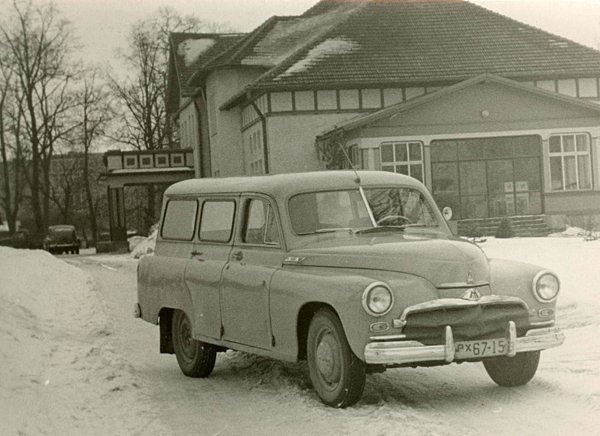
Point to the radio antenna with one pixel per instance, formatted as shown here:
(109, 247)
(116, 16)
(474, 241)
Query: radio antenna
(357, 180)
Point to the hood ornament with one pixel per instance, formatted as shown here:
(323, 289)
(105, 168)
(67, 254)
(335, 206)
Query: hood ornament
(470, 278)
(471, 295)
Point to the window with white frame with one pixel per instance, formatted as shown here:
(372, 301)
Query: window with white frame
(403, 157)
(570, 162)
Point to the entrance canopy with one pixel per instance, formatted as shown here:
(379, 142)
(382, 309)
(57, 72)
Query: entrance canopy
(135, 168)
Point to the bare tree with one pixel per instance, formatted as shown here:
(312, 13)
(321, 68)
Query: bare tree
(13, 163)
(143, 91)
(95, 113)
(65, 182)
(39, 44)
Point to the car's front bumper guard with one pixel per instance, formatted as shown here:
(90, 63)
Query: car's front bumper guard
(401, 352)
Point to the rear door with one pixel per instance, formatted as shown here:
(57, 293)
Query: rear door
(208, 257)
(256, 255)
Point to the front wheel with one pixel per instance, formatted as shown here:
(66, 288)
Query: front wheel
(512, 371)
(195, 358)
(336, 373)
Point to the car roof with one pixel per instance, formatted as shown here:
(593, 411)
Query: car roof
(285, 185)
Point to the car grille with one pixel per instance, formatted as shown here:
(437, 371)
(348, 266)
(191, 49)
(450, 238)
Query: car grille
(468, 323)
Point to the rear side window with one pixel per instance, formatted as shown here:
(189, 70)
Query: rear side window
(179, 220)
(216, 222)
(261, 226)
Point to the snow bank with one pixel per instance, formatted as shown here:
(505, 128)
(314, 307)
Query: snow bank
(141, 246)
(58, 372)
(191, 49)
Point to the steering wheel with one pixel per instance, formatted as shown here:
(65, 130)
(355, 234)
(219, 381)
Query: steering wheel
(387, 218)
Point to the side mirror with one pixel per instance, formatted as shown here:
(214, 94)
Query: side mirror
(447, 213)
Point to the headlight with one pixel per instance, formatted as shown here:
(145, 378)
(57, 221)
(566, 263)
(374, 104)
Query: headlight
(377, 299)
(545, 286)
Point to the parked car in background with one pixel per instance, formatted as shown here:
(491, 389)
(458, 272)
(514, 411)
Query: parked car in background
(62, 239)
(355, 272)
(19, 239)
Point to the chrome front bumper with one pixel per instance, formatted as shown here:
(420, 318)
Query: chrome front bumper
(402, 352)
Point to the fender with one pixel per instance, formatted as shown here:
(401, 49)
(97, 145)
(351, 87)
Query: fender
(161, 284)
(342, 289)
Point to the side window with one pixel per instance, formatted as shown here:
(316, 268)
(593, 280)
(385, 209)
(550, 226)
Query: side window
(261, 225)
(179, 220)
(216, 222)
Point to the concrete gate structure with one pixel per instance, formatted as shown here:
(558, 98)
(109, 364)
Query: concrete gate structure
(139, 168)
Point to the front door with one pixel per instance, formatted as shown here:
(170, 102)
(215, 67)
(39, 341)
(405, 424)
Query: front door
(207, 261)
(256, 255)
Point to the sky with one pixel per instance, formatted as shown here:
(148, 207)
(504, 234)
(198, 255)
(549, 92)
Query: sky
(103, 25)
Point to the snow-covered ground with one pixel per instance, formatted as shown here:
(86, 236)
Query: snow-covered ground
(74, 361)
(59, 372)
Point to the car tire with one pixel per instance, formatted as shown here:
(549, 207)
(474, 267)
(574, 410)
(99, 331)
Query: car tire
(512, 371)
(337, 375)
(76, 251)
(195, 358)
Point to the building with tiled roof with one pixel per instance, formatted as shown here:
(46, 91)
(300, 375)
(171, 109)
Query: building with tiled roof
(495, 116)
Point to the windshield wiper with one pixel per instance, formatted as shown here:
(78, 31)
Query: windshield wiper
(417, 225)
(331, 230)
(379, 229)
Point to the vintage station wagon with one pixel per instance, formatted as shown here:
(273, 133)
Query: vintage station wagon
(355, 272)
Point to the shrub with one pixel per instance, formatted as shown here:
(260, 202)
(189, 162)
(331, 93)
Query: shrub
(505, 229)
(590, 228)
(473, 231)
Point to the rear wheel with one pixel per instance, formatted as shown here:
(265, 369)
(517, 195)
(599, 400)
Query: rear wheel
(195, 358)
(336, 373)
(512, 371)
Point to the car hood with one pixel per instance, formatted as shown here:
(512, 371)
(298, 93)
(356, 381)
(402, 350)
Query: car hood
(450, 262)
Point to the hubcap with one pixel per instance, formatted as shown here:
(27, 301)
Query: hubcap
(185, 335)
(327, 359)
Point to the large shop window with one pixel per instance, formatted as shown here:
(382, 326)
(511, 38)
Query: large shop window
(487, 177)
(403, 157)
(570, 163)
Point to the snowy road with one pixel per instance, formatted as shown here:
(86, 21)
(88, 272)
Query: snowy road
(253, 395)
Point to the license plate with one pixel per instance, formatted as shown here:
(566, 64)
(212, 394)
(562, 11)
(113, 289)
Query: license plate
(482, 348)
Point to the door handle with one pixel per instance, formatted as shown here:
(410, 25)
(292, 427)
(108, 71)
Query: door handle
(237, 255)
(195, 253)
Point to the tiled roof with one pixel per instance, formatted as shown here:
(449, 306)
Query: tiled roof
(349, 43)
(192, 50)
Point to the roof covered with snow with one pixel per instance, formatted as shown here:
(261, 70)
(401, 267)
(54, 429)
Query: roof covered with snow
(189, 51)
(280, 37)
(364, 42)
(432, 40)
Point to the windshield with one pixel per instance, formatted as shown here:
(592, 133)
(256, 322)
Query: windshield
(319, 212)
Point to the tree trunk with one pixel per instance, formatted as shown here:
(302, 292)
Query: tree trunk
(35, 166)
(150, 216)
(88, 195)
